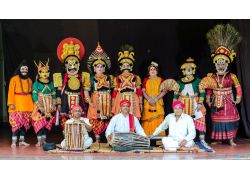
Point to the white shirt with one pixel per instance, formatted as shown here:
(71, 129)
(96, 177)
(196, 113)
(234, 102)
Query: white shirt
(120, 123)
(182, 129)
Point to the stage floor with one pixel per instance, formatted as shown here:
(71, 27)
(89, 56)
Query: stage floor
(223, 151)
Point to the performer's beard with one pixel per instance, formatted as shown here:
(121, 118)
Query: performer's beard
(23, 76)
(129, 70)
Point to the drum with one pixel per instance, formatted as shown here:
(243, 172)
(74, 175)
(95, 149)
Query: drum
(74, 135)
(130, 140)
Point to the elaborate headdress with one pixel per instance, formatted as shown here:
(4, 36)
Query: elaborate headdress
(222, 39)
(41, 65)
(98, 56)
(70, 47)
(189, 62)
(126, 54)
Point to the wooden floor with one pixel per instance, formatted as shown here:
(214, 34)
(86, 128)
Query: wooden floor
(223, 151)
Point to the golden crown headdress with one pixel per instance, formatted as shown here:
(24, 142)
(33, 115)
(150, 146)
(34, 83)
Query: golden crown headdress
(98, 56)
(40, 66)
(126, 54)
(70, 47)
(222, 39)
(189, 62)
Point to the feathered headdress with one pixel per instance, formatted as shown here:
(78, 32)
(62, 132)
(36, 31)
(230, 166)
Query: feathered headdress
(222, 39)
(98, 56)
(126, 54)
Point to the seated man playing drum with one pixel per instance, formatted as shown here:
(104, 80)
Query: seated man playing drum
(181, 129)
(76, 113)
(124, 122)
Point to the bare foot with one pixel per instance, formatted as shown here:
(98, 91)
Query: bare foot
(232, 143)
(216, 142)
(13, 145)
(38, 144)
(22, 143)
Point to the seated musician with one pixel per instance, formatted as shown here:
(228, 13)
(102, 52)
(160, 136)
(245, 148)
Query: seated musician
(181, 129)
(124, 122)
(76, 113)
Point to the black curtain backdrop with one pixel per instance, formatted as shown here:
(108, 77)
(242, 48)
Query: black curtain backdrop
(170, 41)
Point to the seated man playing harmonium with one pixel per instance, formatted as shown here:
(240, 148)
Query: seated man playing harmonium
(124, 122)
(181, 129)
(76, 131)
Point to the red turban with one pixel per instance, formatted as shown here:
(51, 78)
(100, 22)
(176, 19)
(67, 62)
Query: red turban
(76, 107)
(178, 103)
(125, 101)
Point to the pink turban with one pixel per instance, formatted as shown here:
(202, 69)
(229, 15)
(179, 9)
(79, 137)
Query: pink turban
(76, 107)
(178, 103)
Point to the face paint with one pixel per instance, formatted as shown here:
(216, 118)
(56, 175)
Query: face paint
(126, 67)
(44, 73)
(153, 71)
(99, 69)
(24, 70)
(221, 66)
(72, 66)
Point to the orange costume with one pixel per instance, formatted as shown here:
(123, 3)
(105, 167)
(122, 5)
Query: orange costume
(99, 112)
(20, 96)
(127, 85)
(20, 104)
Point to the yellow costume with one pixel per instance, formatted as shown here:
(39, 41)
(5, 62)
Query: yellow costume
(152, 116)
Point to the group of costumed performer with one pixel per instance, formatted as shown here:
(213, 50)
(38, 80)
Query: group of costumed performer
(103, 93)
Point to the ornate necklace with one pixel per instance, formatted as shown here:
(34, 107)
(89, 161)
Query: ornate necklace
(21, 84)
(220, 84)
(187, 79)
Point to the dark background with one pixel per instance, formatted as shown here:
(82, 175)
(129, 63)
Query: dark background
(170, 41)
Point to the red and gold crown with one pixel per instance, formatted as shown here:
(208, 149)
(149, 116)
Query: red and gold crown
(223, 53)
(70, 47)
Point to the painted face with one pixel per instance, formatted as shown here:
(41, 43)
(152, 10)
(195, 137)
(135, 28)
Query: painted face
(99, 69)
(126, 67)
(125, 108)
(77, 113)
(44, 73)
(72, 65)
(188, 71)
(24, 70)
(221, 66)
(178, 110)
(153, 71)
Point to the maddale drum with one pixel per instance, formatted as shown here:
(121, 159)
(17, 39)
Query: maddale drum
(74, 134)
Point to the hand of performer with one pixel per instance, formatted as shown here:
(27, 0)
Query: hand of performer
(183, 143)
(209, 104)
(12, 107)
(198, 107)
